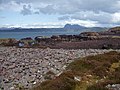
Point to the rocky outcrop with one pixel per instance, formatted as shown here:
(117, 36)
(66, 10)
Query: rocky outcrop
(85, 34)
(28, 38)
(115, 30)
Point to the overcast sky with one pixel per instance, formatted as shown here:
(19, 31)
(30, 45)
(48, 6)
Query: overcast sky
(56, 13)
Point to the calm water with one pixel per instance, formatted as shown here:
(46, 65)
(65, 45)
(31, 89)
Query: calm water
(22, 34)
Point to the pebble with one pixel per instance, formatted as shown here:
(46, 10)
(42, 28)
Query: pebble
(113, 86)
(12, 88)
(28, 66)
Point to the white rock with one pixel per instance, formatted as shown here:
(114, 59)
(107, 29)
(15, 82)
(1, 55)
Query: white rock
(113, 85)
(34, 82)
(12, 88)
(77, 78)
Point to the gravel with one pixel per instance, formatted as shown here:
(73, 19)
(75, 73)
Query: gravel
(26, 67)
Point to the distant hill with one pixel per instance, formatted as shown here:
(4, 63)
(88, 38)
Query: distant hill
(98, 29)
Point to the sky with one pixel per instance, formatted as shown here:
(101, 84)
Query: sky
(57, 13)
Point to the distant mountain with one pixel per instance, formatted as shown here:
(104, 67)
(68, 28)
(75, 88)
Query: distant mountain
(74, 27)
(82, 28)
(68, 27)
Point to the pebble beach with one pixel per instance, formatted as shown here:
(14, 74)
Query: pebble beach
(26, 67)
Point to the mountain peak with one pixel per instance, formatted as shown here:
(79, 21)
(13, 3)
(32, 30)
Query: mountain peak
(74, 26)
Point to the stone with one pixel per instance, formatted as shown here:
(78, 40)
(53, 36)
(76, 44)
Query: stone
(12, 66)
(34, 83)
(77, 78)
(12, 88)
(113, 85)
(28, 66)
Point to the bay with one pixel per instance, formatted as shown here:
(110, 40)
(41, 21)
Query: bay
(18, 34)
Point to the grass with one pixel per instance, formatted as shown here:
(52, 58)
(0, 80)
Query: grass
(115, 36)
(7, 41)
(95, 71)
(63, 82)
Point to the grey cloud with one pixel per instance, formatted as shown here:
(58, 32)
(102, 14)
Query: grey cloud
(94, 10)
(1, 1)
(101, 17)
(26, 10)
(37, 12)
(64, 18)
(48, 9)
(29, 1)
(99, 5)
(72, 6)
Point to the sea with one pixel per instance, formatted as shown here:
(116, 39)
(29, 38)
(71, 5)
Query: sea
(19, 34)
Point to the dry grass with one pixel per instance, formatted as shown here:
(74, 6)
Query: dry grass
(95, 72)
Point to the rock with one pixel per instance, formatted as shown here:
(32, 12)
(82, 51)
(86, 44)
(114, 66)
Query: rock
(84, 34)
(33, 70)
(6, 81)
(12, 66)
(34, 83)
(113, 86)
(108, 86)
(77, 78)
(12, 88)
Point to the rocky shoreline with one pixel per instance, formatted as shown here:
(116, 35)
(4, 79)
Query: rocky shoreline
(109, 39)
(26, 67)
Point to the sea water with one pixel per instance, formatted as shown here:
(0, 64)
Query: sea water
(23, 34)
